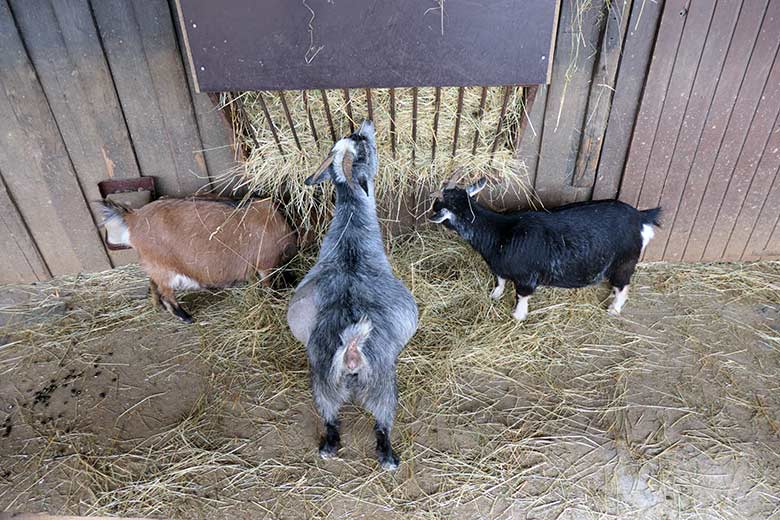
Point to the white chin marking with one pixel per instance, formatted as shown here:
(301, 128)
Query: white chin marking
(521, 311)
(618, 301)
(445, 215)
(647, 234)
(180, 281)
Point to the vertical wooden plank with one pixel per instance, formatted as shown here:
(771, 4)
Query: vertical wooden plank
(36, 168)
(65, 49)
(600, 98)
(437, 106)
(699, 169)
(328, 115)
(531, 139)
(680, 85)
(458, 114)
(270, 121)
(754, 81)
(742, 176)
(312, 126)
(711, 65)
(20, 260)
(579, 36)
(369, 104)
(140, 45)
(664, 57)
(392, 121)
(480, 113)
(289, 119)
(221, 150)
(414, 123)
(686, 69)
(348, 106)
(632, 73)
(756, 199)
(500, 124)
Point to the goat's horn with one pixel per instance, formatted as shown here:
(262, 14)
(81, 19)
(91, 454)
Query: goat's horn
(452, 181)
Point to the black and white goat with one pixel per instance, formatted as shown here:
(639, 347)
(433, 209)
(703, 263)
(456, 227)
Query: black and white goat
(571, 246)
(351, 312)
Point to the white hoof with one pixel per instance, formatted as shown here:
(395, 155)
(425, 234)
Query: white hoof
(497, 293)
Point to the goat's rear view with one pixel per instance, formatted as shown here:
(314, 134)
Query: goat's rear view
(205, 242)
(351, 312)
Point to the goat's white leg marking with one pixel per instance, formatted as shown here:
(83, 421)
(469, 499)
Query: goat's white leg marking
(621, 295)
(521, 310)
(647, 234)
(498, 292)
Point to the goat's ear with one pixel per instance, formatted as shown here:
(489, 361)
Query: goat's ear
(477, 187)
(346, 165)
(321, 175)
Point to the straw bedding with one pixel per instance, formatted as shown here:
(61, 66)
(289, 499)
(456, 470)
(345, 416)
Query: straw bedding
(669, 411)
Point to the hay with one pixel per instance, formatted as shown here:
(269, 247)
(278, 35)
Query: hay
(670, 410)
(409, 173)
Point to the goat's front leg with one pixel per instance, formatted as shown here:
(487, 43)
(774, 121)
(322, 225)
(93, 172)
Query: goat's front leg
(498, 292)
(522, 292)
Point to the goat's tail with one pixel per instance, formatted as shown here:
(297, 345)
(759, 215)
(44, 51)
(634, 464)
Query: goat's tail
(114, 220)
(652, 216)
(349, 357)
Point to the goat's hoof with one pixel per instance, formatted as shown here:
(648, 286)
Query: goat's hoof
(389, 462)
(329, 451)
(496, 295)
(520, 317)
(613, 311)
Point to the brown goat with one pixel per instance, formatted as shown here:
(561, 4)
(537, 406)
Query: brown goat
(201, 242)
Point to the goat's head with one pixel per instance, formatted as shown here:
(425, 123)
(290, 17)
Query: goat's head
(453, 204)
(352, 161)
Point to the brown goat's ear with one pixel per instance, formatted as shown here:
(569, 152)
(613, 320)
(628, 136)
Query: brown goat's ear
(322, 172)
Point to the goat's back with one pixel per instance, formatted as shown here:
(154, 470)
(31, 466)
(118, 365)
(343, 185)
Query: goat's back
(213, 241)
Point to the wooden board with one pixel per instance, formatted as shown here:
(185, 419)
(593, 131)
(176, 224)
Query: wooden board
(36, 167)
(600, 99)
(220, 149)
(324, 44)
(65, 50)
(760, 195)
(531, 140)
(678, 224)
(579, 37)
(727, 153)
(636, 53)
(664, 55)
(713, 58)
(21, 260)
(141, 49)
(679, 89)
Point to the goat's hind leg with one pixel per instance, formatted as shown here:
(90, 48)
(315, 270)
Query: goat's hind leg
(168, 299)
(328, 405)
(619, 281)
(382, 405)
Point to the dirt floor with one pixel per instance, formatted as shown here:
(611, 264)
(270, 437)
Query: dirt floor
(669, 411)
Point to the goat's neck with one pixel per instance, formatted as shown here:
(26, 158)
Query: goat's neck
(478, 229)
(355, 220)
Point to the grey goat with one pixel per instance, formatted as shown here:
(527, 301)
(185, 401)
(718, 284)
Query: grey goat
(351, 312)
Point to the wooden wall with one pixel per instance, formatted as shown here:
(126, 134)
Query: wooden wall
(706, 146)
(655, 102)
(91, 90)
